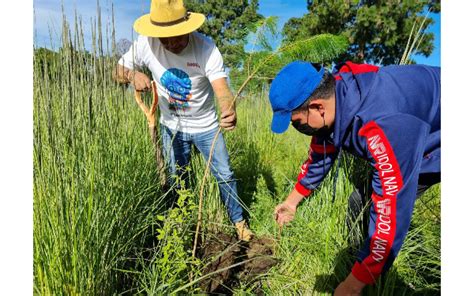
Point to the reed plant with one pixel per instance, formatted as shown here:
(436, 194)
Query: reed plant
(95, 188)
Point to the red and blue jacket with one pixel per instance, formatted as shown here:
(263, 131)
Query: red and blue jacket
(389, 116)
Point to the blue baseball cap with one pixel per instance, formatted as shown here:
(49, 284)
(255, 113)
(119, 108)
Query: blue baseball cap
(290, 89)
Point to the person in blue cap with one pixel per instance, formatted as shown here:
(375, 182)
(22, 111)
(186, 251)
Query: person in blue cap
(389, 116)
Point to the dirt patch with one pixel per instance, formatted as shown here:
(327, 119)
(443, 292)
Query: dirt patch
(233, 263)
(219, 252)
(260, 254)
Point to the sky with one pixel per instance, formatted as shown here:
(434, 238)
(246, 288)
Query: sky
(47, 19)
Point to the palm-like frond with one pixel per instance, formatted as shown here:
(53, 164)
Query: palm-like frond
(265, 64)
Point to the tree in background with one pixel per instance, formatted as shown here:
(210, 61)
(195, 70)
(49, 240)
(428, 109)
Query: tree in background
(228, 24)
(378, 31)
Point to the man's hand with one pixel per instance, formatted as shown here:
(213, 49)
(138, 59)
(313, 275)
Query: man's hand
(349, 287)
(285, 212)
(225, 99)
(228, 120)
(140, 81)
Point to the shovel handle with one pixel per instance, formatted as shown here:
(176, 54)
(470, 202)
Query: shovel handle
(149, 112)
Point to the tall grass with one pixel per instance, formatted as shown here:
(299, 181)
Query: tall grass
(95, 180)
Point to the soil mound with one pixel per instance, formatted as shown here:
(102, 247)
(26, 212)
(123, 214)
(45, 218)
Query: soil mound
(233, 262)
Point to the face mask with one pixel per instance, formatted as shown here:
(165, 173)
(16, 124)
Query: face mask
(304, 128)
(323, 132)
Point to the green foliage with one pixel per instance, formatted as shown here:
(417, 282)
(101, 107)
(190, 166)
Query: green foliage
(262, 66)
(267, 30)
(377, 30)
(228, 24)
(42, 55)
(319, 49)
(265, 198)
(172, 264)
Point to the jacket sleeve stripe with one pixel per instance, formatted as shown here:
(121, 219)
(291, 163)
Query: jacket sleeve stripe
(304, 171)
(318, 148)
(302, 190)
(385, 206)
(355, 69)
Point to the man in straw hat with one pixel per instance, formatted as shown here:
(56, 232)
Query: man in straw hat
(188, 70)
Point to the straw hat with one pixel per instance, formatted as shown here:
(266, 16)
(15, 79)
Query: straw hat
(168, 18)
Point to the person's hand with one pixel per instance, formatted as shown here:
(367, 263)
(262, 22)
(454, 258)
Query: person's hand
(228, 120)
(139, 81)
(349, 287)
(285, 213)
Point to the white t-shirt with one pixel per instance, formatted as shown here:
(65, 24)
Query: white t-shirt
(186, 97)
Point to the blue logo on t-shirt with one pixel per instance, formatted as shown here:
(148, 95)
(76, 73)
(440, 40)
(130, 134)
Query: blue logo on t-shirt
(178, 84)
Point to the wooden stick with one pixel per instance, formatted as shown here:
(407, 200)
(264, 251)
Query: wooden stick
(201, 193)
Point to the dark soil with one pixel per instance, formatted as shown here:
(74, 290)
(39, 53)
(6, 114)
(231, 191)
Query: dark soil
(222, 251)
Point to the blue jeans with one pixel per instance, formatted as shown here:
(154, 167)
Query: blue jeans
(177, 153)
